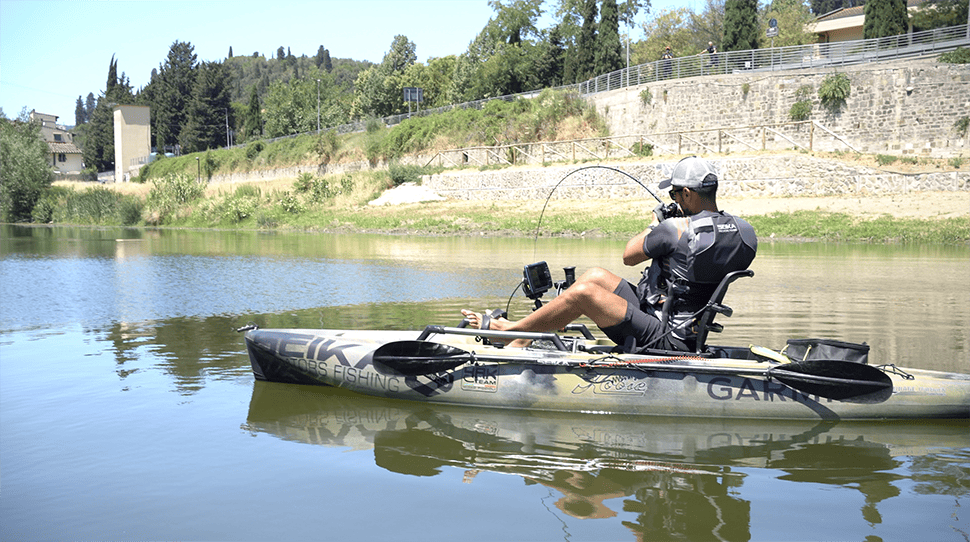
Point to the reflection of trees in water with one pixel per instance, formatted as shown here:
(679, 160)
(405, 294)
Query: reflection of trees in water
(691, 507)
(942, 474)
(190, 350)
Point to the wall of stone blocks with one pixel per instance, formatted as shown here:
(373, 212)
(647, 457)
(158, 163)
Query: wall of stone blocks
(901, 108)
(783, 175)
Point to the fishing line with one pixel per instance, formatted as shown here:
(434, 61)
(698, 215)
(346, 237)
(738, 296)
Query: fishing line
(535, 243)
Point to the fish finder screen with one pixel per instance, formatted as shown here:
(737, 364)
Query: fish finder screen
(538, 279)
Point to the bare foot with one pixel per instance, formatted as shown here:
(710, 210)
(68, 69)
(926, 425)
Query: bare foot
(475, 320)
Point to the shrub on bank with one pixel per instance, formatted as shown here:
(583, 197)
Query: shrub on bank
(97, 206)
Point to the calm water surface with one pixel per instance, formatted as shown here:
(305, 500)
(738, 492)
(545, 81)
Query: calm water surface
(128, 409)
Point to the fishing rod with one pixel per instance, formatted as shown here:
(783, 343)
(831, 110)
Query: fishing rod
(669, 209)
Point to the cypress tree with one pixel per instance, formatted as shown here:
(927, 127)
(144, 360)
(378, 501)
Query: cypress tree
(608, 58)
(253, 125)
(740, 25)
(79, 117)
(586, 46)
(885, 18)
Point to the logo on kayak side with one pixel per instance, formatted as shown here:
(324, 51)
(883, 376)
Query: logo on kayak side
(480, 378)
(612, 384)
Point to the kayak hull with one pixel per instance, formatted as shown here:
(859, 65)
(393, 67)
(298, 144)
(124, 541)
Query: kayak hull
(732, 384)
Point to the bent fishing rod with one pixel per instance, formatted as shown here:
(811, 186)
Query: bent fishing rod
(613, 169)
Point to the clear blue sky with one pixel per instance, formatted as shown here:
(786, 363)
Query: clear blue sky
(51, 52)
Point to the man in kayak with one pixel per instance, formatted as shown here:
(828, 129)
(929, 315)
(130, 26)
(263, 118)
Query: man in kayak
(693, 252)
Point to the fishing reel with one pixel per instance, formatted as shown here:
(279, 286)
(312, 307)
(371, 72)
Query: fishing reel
(665, 211)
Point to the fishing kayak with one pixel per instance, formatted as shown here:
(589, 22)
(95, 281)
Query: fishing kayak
(583, 374)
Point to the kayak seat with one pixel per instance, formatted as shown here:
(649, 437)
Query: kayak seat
(715, 305)
(703, 320)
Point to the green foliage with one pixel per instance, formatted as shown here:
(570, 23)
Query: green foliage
(939, 14)
(253, 149)
(96, 205)
(642, 149)
(792, 17)
(960, 55)
(291, 106)
(956, 162)
(169, 93)
(169, 194)
(586, 44)
(608, 56)
(885, 159)
(321, 189)
(741, 29)
(645, 96)
(25, 172)
(304, 183)
(745, 88)
(208, 115)
(884, 18)
(290, 203)
(234, 207)
(844, 227)
(961, 125)
(834, 90)
(802, 108)
(673, 27)
(405, 173)
(328, 146)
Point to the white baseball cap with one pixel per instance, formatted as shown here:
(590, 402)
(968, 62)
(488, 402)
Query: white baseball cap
(693, 173)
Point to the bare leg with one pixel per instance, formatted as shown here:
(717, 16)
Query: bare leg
(592, 296)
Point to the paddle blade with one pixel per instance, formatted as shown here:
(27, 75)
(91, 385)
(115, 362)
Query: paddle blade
(835, 379)
(413, 358)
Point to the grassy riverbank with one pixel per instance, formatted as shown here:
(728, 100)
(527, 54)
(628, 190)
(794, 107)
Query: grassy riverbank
(339, 204)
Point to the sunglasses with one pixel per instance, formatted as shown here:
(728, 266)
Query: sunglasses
(675, 191)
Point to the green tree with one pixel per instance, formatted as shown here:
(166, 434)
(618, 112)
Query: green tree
(550, 68)
(741, 28)
(253, 125)
(291, 107)
(791, 16)
(79, 112)
(514, 21)
(25, 172)
(607, 56)
(939, 14)
(884, 18)
(98, 148)
(379, 91)
(208, 110)
(585, 50)
(669, 27)
(708, 25)
(89, 103)
(168, 93)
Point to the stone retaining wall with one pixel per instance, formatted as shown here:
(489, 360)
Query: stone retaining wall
(903, 107)
(754, 176)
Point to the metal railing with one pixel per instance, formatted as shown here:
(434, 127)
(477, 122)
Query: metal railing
(814, 56)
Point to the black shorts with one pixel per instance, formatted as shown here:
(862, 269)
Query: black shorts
(644, 327)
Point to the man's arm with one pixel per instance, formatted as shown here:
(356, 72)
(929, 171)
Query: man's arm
(634, 254)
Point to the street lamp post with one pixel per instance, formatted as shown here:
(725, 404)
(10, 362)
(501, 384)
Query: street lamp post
(198, 170)
(318, 107)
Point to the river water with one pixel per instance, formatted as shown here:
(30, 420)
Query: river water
(128, 409)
